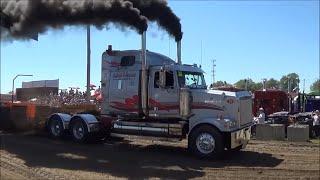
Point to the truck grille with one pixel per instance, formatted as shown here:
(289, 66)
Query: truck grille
(245, 110)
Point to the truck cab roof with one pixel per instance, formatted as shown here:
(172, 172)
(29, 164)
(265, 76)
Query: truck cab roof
(115, 58)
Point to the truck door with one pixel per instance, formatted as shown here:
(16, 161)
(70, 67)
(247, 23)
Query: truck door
(163, 102)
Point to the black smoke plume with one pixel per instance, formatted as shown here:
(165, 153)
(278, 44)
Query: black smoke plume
(159, 11)
(24, 17)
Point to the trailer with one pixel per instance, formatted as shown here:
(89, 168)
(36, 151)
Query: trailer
(270, 100)
(148, 94)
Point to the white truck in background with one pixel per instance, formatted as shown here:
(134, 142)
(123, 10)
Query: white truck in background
(148, 94)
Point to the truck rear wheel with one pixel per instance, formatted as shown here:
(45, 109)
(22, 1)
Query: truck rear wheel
(55, 127)
(205, 142)
(79, 130)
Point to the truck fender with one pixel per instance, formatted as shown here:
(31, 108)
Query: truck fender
(64, 118)
(211, 121)
(88, 119)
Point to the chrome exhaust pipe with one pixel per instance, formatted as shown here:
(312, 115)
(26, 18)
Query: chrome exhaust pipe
(144, 74)
(179, 52)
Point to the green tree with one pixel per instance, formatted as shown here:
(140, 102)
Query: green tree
(256, 86)
(315, 87)
(292, 79)
(272, 84)
(251, 85)
(220, 84)
(241, 84)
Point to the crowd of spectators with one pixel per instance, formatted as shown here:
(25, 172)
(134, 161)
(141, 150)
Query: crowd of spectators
(72, 97)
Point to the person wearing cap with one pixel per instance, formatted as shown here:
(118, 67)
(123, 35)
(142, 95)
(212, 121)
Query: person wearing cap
(258, 120)
(316, 123)
(261, 117)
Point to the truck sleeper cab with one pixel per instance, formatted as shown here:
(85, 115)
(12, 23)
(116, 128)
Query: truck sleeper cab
(179, 105)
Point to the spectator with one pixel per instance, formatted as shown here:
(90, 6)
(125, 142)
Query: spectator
(261, 117)
(316, 123)
(258, 120)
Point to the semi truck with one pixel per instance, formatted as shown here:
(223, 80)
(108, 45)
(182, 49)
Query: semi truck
(145, 93)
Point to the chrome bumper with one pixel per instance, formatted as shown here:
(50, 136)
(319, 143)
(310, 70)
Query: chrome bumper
(240, 137)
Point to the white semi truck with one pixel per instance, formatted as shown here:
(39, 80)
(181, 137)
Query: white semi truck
(148, 94)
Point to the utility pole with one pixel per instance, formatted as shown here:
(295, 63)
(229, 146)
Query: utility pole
(288, 84)
(264, 83)
(12, 95)
(246, 84)
(213, 70)
(88, 63)
(303, 96)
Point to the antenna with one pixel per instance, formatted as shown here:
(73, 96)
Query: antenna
(201, 54)
(213, 70)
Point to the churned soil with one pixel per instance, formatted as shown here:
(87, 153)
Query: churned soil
(38, 157)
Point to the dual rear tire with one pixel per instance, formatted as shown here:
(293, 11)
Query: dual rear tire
(77, 129)
(55, 127)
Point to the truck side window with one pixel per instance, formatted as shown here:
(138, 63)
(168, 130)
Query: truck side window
(156, 79)
(169, 79)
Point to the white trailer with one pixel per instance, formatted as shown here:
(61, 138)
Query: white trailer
(149, 94)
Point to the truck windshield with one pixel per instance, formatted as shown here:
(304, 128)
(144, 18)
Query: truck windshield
(193, 80)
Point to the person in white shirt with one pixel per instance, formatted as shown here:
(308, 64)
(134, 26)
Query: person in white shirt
(258, 120)
(316, 123)
(261, 117)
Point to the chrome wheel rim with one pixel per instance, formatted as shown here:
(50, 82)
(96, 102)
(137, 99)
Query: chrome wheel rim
(55, 127)
(205, 143)
(78, 130)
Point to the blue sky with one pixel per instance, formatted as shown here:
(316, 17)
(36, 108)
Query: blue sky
(248, 39)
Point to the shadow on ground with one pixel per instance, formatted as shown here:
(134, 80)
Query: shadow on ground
(122, 159)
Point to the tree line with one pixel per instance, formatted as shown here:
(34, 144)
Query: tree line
(289, 82)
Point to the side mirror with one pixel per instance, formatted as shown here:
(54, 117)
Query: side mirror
(162, 78)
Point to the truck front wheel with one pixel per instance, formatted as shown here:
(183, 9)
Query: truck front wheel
(206, 142)
(79, 130)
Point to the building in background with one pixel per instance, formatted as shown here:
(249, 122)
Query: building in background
(34, 89)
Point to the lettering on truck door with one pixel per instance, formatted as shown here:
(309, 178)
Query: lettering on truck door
(124, 91)
(163, 101)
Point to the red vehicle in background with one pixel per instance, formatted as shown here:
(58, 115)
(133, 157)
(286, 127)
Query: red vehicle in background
(270, 100)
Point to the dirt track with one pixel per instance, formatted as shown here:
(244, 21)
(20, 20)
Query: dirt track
(37, 157)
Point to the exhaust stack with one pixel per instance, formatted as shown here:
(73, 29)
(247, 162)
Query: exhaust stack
(144, 78)
(264, 83)
(179, 52)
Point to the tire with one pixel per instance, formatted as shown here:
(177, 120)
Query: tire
(55, 127)
(79, 130)
(206, 142)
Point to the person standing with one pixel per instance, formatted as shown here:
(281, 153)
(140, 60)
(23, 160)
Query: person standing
(258, 120)
(316, 123)
(261, 117)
